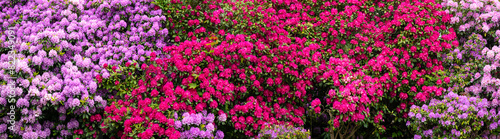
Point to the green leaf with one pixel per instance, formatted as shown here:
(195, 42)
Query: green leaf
(195, 76)
(193, 86)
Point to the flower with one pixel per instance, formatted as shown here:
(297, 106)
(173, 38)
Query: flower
(210, 127)
(222, 117)
(315, 102)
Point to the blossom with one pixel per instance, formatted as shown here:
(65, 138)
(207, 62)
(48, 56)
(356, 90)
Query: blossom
(222, 117)
(210, 127)
(315, 102)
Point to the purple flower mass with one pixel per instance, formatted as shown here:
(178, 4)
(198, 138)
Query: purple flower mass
(63, 46)
(192, 127)
(474, 105)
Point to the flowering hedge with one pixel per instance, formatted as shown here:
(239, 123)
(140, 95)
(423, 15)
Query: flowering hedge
(395, 44)
(253, 62)
(61, 46)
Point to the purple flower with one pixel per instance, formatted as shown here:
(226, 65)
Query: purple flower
(418, 116)
(219, 134)
(3, 128)
(222, 117)
(3, 102)
(493, 126)
(30, 135)
(210, 127)
(73, 124)
(22, 102)
(178, 124)
(210, 118)
(195, 132)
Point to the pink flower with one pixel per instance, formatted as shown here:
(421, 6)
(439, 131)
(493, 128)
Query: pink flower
(447, 79)
(270, 81)
(317, 109)
(177, 39)
(403, 96)
(213, 104)
(256, 83)
(315, 102)
(249, 120)
(154, 93)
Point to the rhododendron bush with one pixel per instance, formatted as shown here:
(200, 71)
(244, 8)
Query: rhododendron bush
(473, 71)
(147, 106)
(279, 54)
(454, 117)
(60, 46)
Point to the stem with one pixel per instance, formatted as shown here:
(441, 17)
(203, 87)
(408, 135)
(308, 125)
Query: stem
(353, 131)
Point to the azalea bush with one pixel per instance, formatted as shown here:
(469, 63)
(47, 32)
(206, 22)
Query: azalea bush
(60, 47)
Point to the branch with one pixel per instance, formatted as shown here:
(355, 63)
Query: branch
(354, 131)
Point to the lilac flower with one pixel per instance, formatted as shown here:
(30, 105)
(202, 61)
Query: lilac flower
(30, 135)
(210, 127)
(73, 124)
(3, 128)
(222, 117)
(195, 132)
(70, 32)
(219, 134)
(418, 116)
(187, 120)
(178, 124)
(22, 102)
(210, 118)
(493, 126)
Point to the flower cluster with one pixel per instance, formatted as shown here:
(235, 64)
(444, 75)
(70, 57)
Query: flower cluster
(283, 132)
(454, 117)
(60, 46)
(475, 16)
(199, 125)
(472, 68)
(465, 65)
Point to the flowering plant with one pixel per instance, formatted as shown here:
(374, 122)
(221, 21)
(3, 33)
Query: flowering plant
(478, 16)
(199, 125)
(454, 117)
(283, 132)
(60, 46)
(269, 47)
